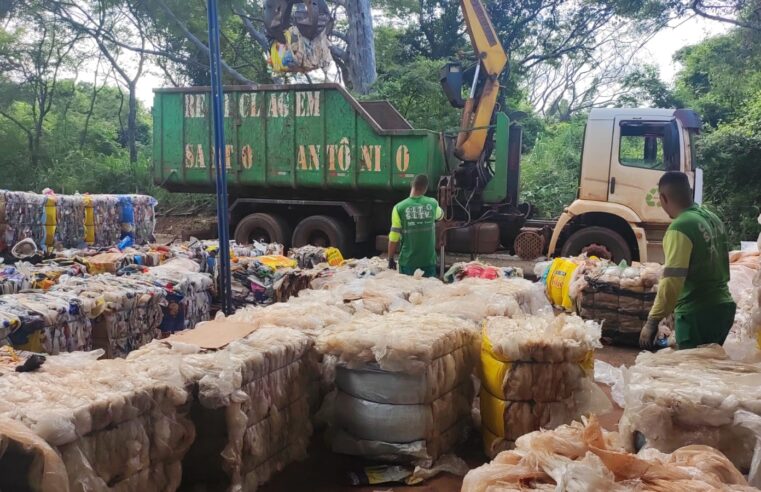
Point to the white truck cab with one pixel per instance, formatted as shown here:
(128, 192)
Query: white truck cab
(625, 153)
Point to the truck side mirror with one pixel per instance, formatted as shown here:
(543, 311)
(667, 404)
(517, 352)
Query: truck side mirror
(451, 83)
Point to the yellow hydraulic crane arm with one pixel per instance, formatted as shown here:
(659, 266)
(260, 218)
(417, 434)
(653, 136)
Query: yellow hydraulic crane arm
(477, 113)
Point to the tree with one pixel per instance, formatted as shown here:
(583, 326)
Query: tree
(645, 88)
(103, 22)
(35, 58)
(721, 79)
(744, 14)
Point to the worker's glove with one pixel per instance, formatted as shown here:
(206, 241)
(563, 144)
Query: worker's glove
(391, 263)
(648, 333)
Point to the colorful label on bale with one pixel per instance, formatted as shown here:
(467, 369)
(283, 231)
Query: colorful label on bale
(49, 220)
(277, 261)
(559, 283)
(334, 256)
(89, 221)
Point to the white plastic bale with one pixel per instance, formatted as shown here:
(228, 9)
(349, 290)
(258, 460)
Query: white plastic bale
(421, 452)
(111, 421)
(46, 471)
(441, 375)
(221, 375)
(397, 342)
(676, 398)
(540, 339)
(542, 382)
(476, 298)
(402, 423)
(584, 457)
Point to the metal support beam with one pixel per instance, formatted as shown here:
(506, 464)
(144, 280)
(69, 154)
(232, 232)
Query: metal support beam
(217, 111)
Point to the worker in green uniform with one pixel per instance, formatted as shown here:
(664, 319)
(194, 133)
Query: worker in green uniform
(696, 272)
(413, 222)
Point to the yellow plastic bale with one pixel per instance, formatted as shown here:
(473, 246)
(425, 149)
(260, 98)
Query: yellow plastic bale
(559, 282)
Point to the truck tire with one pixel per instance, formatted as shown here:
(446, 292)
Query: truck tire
(323, 230)
(268, 228)
(600, 236)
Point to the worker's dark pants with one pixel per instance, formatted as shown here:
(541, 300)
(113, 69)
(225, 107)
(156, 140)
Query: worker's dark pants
(705, 325)
(428, 271)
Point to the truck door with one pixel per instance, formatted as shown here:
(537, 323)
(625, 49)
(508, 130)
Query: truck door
(643, 149)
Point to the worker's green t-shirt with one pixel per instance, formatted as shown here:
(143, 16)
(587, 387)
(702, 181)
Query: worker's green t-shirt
(415, 220)
(708, 270)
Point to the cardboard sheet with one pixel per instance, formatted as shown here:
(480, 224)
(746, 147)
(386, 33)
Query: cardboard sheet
(214, 334)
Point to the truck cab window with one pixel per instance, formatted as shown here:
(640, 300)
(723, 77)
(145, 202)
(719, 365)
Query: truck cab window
(642, 145)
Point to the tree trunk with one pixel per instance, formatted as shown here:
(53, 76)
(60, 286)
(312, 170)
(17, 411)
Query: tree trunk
(34, 143)
(361, 46)
(132, 125)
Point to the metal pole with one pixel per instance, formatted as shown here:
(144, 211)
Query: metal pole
(217, 107)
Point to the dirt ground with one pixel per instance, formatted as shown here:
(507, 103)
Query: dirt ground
(324, 471)
(182, 227)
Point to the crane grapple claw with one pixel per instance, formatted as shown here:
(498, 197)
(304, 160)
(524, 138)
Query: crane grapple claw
(311, 18)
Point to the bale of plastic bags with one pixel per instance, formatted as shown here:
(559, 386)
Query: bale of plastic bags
(403, 388)
(251, 409)
(677, 398)
(94, 425)
(585, 457)
(536, 372)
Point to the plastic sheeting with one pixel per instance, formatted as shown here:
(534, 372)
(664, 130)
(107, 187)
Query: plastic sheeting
(677, 398)
(539, 339)
(397, 342)
(113, 424)
(744, 340)
(584, 457)
(251, 407)
(403, 384)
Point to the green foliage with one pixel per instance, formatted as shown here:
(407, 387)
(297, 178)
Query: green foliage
(721, 79)
(550, 172)
(415, 91)
(719, 76)
(645, 88)
(77, 154)
(730, 156)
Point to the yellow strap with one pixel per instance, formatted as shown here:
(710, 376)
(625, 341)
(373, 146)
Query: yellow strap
(89, 221)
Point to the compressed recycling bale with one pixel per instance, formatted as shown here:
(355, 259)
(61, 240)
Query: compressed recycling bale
(402, 423)
(585, 457)
(263, 440)
(677, 398)
(251, 402)
(397, 342)
(441, 375)
(116, 425)
(543, 382)
(422, 452)
(512, 419)
(541, 339)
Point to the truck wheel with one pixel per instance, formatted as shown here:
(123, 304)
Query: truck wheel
(323, 230)
(265, 228)
(598, 240)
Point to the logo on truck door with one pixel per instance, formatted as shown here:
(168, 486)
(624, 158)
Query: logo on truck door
(653, 198)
